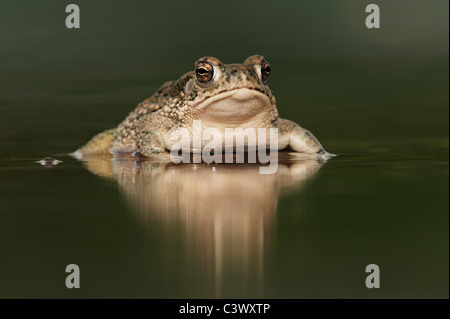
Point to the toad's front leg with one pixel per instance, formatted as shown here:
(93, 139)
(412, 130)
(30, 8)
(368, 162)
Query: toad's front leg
(292, 135)
(149, 140)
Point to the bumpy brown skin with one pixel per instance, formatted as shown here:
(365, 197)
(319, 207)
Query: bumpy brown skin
(177, 104)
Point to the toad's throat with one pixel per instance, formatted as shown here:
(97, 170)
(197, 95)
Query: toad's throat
(234, 106)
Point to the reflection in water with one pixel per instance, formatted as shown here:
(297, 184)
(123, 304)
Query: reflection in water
(224, 213)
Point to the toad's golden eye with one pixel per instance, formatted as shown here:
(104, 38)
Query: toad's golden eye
(265, 70)
(204, 72)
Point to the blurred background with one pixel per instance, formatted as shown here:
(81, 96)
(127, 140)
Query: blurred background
(377, 97)
(329, 70)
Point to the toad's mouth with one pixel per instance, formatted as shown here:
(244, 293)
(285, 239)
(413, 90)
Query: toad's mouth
(234, 106)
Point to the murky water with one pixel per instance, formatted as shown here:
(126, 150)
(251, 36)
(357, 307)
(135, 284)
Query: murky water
(147, 229)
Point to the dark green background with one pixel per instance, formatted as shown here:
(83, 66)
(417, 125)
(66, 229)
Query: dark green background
(378, 98)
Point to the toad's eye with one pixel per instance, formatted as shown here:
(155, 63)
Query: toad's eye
(265, 70)
(204, 72)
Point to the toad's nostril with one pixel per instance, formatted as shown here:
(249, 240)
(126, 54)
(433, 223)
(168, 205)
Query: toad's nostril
(233, 72)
